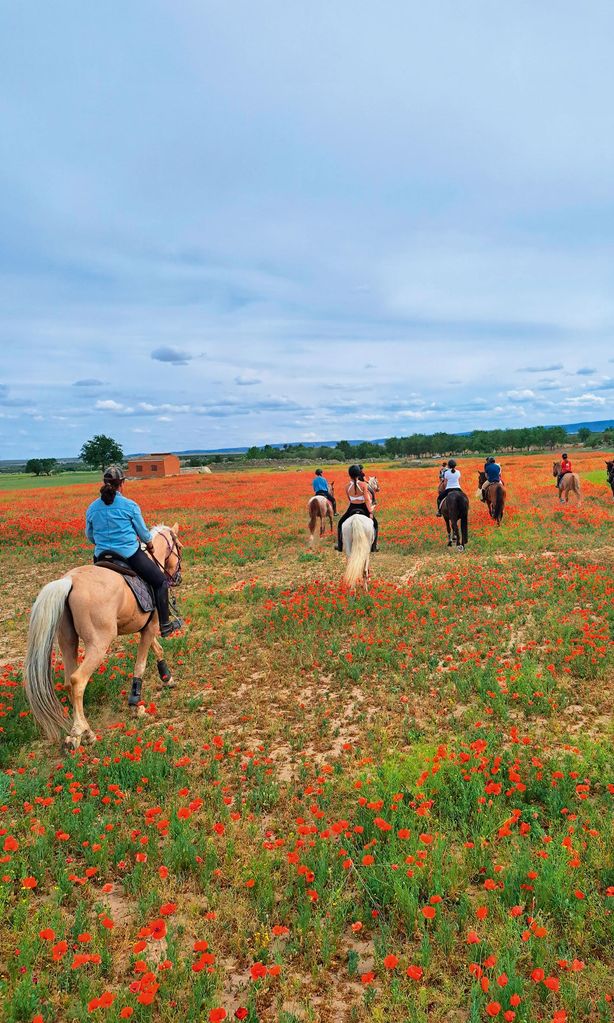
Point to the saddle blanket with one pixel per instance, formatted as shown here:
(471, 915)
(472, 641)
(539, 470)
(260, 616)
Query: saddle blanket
(142, 590)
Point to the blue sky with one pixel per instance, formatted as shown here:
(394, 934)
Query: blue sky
(238, 223)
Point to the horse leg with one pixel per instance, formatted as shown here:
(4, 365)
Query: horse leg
(145, 642)
(81, 731)
(163, 669)
(68, 642)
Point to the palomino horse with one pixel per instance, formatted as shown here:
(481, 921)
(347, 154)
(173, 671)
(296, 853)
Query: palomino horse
(494, 496)
(570, 484)
(96, 605)
(319, 508)
(609, 468)
(455, 509)
(358, 535)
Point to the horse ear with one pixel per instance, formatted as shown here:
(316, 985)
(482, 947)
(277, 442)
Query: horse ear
(175, 527)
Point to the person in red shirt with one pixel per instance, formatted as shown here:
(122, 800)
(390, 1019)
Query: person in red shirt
(565, 467)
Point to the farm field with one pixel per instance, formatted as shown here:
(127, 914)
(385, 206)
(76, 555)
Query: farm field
(394, 806)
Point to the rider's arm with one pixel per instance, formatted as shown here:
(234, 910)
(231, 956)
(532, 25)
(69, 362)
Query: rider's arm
(368, 501)
(89, 528)
(138, 522)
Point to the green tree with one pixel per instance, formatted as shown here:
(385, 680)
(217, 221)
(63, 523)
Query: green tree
(100, 452)
(34, 466)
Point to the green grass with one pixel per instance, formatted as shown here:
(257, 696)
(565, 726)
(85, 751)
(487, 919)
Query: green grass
(24, 481)
(596, 476)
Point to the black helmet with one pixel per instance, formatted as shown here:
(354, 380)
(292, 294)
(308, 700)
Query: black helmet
(451, 463)
(564, 455)
(114, 474)
(490, 460)
(318, 472)
(356, 473)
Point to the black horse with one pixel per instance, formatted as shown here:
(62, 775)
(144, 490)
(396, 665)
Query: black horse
(455, 509)
(609, 468)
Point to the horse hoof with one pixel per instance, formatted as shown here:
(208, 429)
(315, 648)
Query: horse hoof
(88, 737)
(71, 743)
(460, 547)
(169, 683)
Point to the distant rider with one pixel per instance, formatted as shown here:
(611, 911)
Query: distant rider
(440, 486)
(565, 467)
(450, 481)
(321, 489)
(493, 475)
(359, 496)
(114, 523)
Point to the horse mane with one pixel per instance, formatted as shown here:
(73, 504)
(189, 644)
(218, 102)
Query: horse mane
(158, 528)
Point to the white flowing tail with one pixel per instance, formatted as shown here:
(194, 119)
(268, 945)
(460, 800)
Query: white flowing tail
(45, 618)
(362, 538)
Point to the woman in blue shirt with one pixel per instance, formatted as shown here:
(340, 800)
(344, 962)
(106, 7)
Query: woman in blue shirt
(114, 523)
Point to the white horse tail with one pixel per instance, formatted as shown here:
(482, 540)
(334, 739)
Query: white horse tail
(361, 548)
(45, 618)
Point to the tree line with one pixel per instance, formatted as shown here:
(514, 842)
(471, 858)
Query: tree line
(425, 445)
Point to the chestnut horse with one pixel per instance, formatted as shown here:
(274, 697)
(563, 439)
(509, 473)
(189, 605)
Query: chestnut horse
(570, 484)
(494, 496)
(96, 605)
(609, 468)
(320, 508)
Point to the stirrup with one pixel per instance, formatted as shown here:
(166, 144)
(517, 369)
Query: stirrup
(168, 628)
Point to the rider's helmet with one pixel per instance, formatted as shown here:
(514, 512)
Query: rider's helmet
(451, 463)
(490, 460)
(114, 474)
(356, 473)
(318, 472)
(564, 455)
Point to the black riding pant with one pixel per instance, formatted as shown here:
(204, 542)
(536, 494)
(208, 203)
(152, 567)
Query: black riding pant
(149, 571)
(356, 509)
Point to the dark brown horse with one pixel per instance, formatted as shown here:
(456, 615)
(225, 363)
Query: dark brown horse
(455, 511)
(609, 468)
(494, 496)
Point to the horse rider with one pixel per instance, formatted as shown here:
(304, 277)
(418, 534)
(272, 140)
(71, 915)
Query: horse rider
(565, 468)
(449, 481)
(361, 503)
(321, 489)
(115, 523)
(493, 475)
(440, 485)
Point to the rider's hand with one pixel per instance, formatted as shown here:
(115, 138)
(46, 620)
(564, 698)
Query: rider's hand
(150, 547)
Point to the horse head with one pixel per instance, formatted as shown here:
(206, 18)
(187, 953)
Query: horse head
(372, 484)
(481, 478)
(171, 552)
(556, 468)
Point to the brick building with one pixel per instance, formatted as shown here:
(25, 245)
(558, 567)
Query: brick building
(153, 466)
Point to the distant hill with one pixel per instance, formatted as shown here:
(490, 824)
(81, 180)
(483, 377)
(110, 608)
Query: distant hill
(594, 427)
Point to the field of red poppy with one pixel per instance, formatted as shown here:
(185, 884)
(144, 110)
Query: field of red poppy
(394, 806)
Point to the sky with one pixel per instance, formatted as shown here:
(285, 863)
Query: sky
(236, 223)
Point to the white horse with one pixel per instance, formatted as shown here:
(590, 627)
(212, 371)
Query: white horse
(373, 486)
(358, 534)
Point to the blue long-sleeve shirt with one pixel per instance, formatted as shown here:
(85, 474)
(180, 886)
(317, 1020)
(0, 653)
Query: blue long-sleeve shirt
(116, 527)
(320, 486)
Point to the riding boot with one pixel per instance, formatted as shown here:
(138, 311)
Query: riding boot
(167, 625)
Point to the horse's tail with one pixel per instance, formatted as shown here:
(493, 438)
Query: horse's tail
(576, 480)
(313, 508)
(499, 503)
(361, 548)
(39, 678)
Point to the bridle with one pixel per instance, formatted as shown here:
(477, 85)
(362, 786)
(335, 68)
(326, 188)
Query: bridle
(174, 578)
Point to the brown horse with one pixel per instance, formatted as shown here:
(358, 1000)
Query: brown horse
(494, 496)
(570, 484)
(319, 508)
(96, 605)
(455, 511)
(609, 468)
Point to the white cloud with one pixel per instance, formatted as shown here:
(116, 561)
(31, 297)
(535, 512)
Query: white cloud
(108, 405)
(247, 379)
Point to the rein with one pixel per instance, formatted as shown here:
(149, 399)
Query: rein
(173, 579)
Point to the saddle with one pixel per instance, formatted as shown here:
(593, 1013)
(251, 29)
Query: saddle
(142, 591)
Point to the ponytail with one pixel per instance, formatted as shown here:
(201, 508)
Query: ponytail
(108, 491)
